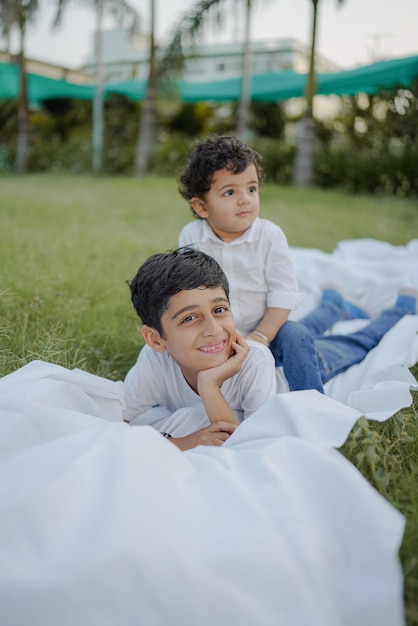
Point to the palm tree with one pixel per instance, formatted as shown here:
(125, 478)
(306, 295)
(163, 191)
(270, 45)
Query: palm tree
(187, 32)
(188, 29)
(148, 122)
(124, 14)
(18, 13)
(98, 102)
(245, 99)
(305, 154)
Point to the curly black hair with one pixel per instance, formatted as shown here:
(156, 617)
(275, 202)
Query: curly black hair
(215, 153)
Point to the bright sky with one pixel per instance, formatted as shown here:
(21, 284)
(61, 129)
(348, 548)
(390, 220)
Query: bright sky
(356, 33)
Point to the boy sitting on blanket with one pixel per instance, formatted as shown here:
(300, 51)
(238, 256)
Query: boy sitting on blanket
(221, 183)
(195, 358)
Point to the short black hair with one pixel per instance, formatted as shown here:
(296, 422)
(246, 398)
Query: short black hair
(164, 275)
(217, 152)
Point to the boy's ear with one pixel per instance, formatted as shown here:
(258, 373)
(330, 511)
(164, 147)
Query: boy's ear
(199, 207)
(153, 338)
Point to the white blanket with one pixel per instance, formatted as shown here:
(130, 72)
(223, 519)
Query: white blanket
(106, 524)
(103, 523)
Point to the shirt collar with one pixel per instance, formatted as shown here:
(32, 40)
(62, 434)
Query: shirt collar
(250, 235)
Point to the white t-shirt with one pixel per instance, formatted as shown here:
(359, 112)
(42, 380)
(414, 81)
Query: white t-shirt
(156, 379)
(258, 267)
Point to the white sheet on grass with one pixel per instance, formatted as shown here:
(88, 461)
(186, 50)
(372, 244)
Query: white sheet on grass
(102, 523)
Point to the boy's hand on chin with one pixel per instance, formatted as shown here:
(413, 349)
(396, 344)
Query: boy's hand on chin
(217, 375)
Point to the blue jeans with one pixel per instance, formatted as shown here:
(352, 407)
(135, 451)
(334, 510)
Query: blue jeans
(309, 359)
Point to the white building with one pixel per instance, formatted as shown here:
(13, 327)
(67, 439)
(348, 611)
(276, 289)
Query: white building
(126, 56)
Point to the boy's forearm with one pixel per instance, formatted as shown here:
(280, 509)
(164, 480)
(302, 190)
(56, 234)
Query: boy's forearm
(270, 325)
(215, 405)
(210, 381)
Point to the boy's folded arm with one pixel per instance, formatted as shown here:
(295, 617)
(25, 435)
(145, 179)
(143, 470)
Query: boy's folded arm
(215, 404)
(213, 435)
(209, 383)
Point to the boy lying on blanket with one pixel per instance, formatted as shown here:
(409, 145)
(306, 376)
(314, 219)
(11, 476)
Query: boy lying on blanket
(195, 358)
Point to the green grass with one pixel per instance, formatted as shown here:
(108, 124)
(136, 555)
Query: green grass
(68, 244)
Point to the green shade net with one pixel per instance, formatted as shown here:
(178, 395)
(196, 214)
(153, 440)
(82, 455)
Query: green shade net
(269, 87)
(40, 87)
(276, 86)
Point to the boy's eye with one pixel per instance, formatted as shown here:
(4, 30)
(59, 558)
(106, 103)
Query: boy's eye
(189, 318)
(221, 309)
(229, 192)
(252, 189)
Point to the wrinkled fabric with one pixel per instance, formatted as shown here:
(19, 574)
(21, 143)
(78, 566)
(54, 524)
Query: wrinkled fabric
(105, 523)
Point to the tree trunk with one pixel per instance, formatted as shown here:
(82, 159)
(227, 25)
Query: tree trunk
(310, 87)
(98, 95)
(305, 151)
(305, 154)
(147, 135)
(23, 137)
(245, 97)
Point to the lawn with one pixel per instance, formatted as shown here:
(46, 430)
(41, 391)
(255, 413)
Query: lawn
(68, 245)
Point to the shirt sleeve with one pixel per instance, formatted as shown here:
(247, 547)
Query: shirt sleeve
(188, 235)
(140, 389)
(258, 378)
(283, 290)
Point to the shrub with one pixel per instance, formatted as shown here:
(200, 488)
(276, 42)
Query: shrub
(277, 160)
(170, 154)
(366, 171)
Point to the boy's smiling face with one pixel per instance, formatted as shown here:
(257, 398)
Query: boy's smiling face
(198, 330)
(232, 203)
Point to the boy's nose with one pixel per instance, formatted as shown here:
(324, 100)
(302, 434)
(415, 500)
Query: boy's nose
(244, 198)
(211, 327)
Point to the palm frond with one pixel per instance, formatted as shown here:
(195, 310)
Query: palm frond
(123, 12)
(187, 31)
(17, 13)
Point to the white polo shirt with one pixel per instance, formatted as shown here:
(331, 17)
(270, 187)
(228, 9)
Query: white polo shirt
(258, 267)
